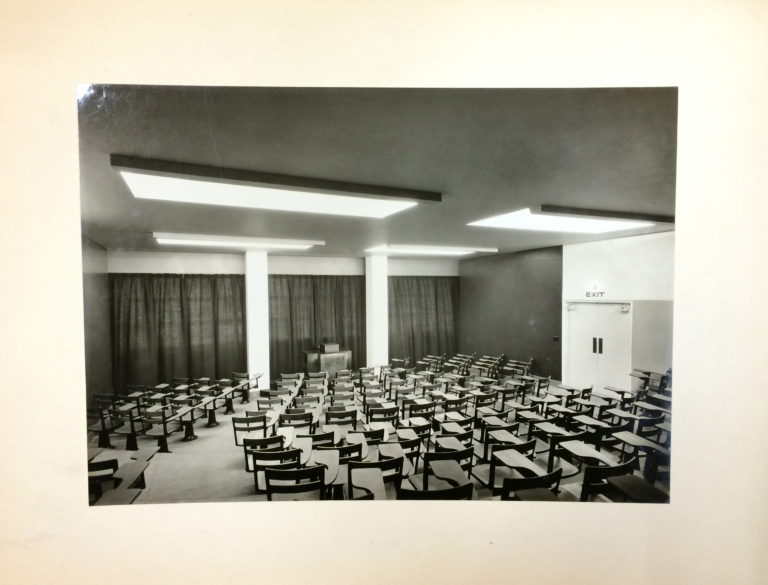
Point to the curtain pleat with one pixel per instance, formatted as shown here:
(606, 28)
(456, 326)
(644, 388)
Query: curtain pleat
(166, 325)
(423, 312)
(305, 310)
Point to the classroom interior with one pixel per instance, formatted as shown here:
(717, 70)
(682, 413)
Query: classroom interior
(378, 346)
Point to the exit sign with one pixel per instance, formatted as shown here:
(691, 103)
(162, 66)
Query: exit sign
(596, 294)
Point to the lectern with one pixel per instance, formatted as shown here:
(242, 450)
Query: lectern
(322, 360)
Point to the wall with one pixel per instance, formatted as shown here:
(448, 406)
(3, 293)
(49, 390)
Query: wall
(510, 303)
(638, 269)
(635, 268)
(202, 263)
(652, 335)
(98, 354)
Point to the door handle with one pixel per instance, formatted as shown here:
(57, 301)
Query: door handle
(600, 346)
(594, 345)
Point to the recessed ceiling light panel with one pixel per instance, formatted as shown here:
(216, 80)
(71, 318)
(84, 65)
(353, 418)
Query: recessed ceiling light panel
(179, 182)
(525, 220)
(233, 243)
(397, 250)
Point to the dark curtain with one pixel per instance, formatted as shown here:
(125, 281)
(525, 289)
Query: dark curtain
(305, 310)
(423, 315)
(166, 325)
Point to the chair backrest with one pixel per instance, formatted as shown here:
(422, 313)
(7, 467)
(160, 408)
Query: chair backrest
(291, 376)
(459, 404)
(343, 417)
(463, 457)
(384, 414)
(512, 485)
(295, 481)
(318, 375)
(347, 453)
(462, 492)
(391, 470)
(276, 442)
(319, 439)
(307, 400)
(411, 447)
(488, 399)
(465, 438)
(269, 403)
(373, 437)
(595, 476)
(256, 422)
(422, 410)
(299, 420)
(343, 374)
(422, 431)
(527, 448)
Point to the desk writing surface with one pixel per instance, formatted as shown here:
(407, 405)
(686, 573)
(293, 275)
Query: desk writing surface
(391, 450)
(330, 460)
(646, 406)
(512, 458)
(658, 396)
(449, 471)
(505, 436)
(454, 415)
(637, 441)
(407, 434)
(305, 444)
(370, 479)
(548, 427)
(453, 428)
(589, 421)
(581, 449)
(449, 442)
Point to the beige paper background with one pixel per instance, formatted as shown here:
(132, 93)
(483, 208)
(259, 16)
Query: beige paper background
(715, 529)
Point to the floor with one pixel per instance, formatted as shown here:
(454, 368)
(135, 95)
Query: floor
(212, 468)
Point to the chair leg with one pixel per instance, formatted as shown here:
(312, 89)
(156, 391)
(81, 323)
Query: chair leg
(131, 443)
(162, 442)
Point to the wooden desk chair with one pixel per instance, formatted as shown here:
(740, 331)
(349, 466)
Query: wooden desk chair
(542, 488)
(307, 483)
(391, 470)
(274, 443)
(602, 437)
(344, 417)
(257, 421)
(244, 382)
(373, 437)
(466, 438)
(493, 473)
(298, 420)
(412, 451)
(596, 477)
(162, 424)
(427, 477)
(281, 459)
(347, 454)
(556, 452)
(319, 439)
(386, 414)
(462, 492)
(635, 489)
(127, 423)
(100, 472)
(646, 427)
(425, 411)
(264, 404)
(460, 405)
(371, 398)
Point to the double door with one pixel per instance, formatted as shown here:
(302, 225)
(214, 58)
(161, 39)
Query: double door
(598, 348)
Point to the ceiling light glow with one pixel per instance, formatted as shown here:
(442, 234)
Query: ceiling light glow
(210, 192)
(525, 220)
(235, 243)
(396, 250)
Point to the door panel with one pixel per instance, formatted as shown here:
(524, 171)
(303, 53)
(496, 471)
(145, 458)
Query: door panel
(581, 368)
(615, 331)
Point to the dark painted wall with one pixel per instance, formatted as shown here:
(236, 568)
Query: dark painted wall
(98, 344)
(512, 304)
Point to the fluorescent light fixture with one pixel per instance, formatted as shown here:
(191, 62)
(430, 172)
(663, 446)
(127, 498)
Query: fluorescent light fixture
(231, 242)
(397, 250)
(199, 184)
(579, 224)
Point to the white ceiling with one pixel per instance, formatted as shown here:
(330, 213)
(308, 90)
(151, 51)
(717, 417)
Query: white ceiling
(489, 151)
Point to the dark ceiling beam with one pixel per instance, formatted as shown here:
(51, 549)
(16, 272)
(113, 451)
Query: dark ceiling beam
(564, 210)
(275, 180)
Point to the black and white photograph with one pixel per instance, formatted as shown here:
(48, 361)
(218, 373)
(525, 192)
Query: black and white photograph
(394, 291)
(360, 293)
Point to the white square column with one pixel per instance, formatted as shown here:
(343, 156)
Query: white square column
(257, 314)
(376, 311)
